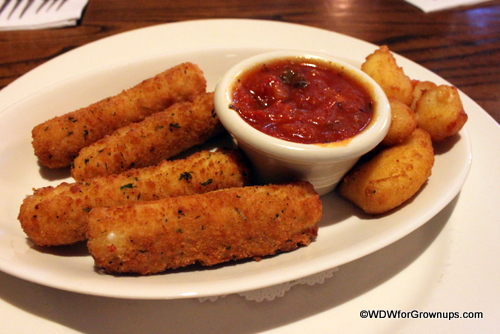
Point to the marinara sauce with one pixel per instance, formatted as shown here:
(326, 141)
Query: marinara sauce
(302, 101)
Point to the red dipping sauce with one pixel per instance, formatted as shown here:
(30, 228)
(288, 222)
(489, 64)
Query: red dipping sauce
(303, 101)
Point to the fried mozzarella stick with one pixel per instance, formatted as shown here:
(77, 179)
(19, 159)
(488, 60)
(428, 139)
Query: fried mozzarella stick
(211, 228)
(57, 141)
(58, 215)
(158, 137)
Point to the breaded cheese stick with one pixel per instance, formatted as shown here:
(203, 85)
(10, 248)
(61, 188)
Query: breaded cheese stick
(58, 215)
(158, 137)
(57, 141)
(210, 228)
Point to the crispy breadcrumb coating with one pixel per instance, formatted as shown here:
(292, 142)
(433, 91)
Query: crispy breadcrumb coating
(211, 228)
(57, 141)
(158, 137)
(58, 215)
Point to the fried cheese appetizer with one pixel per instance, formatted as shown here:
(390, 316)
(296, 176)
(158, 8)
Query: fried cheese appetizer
(230, 224)
(57, 141)
(403, 123)
(55, 216)
(419, 88)
(440, 112)
(381, 66)
(158, 137)
(392, 177)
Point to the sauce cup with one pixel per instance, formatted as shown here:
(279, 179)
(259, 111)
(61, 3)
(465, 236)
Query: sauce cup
(277, 160)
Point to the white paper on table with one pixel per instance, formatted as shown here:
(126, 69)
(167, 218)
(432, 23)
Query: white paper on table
(39, 14)
(435, 5)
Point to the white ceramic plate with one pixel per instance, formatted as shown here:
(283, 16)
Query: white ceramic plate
(103, 68)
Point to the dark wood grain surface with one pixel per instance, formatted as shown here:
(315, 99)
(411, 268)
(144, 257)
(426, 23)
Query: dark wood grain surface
(461, 45)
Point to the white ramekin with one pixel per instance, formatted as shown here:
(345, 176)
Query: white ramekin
(276, 160)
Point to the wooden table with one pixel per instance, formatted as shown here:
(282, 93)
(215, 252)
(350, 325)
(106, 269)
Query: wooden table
(461, 45)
